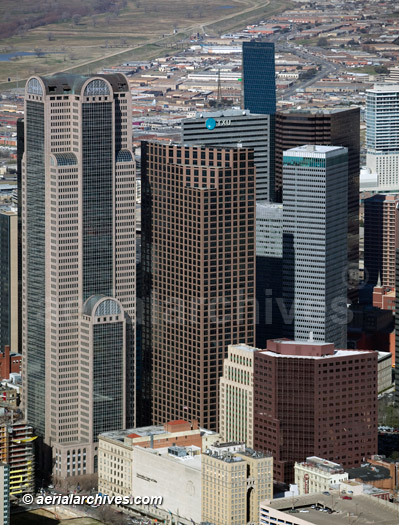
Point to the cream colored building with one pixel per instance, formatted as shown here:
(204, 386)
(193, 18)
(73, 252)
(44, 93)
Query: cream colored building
(318, 475)
(115, 450)
(235, 480)
(384, 371)
(237, 395)
(174, 475)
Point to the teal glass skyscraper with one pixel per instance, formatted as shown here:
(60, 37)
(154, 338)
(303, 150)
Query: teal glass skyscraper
(259, 77)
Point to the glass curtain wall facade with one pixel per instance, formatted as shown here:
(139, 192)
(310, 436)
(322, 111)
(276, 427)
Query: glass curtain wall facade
(34, 248)
(259, 77)
(315, 225)
(78, 213)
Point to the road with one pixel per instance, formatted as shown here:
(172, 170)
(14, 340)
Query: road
(308, 54)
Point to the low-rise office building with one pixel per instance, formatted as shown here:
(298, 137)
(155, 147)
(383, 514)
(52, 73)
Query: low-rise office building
(115, 450)
(234, 482)
(318, 475)
(173, 474)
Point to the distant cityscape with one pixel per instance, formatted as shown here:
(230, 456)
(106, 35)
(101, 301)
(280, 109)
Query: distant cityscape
(199, 257)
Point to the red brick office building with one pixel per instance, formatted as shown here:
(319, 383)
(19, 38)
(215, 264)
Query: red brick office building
(313, 400)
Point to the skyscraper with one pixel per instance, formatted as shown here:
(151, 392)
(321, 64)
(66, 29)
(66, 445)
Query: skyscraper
(198, 256)
(259, 77)
(380, 236)
(327, 127)
(235, 480)
(236, 405)
(269, 271)
(312, 399)
(315, 225)
(397, 316)
(233, 128)
(382, 134)
(9, 279)
(78, 253)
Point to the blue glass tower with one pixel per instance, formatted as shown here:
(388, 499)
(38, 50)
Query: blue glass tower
(259, 77)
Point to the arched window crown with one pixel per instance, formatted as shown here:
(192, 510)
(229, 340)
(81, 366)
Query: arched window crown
(34, 87)
(96, 87)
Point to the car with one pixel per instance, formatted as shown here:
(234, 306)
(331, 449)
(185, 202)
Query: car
(303, 510)
(346, 497)
(326, 493)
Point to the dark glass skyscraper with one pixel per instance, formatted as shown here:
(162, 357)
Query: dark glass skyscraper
(259, 77)
(8, 279)
(328, 127)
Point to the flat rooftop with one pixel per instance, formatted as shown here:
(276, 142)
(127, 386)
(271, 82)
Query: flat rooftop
(119, 435)
(383, 87)
(191, 460)
(360, 510)
(337, 353)
(315, 111)
(313, 148)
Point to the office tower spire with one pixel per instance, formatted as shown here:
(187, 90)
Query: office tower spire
(198, 253)
(78, 249)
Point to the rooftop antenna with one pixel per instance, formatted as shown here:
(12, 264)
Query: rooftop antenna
(219, 96)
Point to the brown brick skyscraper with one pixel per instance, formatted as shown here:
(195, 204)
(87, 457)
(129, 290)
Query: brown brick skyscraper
(314, 400)
(198, 253)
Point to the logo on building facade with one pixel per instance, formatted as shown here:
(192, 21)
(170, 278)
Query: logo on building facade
(210, 123)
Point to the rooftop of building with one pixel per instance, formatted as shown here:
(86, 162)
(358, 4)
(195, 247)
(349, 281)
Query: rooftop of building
(269, 205)
(337, 353)
(243, 347)
(315, 111)
(383, 197)
(226, 113)
(359, 509)
(232, 451)
(322, 464)
(309, 349)
(153, 430)
(380, 88)
(69, 83)
(8, 210)
(190, 456)
(313, 149)
(369, 473)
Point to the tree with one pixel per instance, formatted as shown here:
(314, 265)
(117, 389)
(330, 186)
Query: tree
(322, 42)
(76, 19)
(39, 52)
(310, 73)
(381, 70)
(50, 36)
